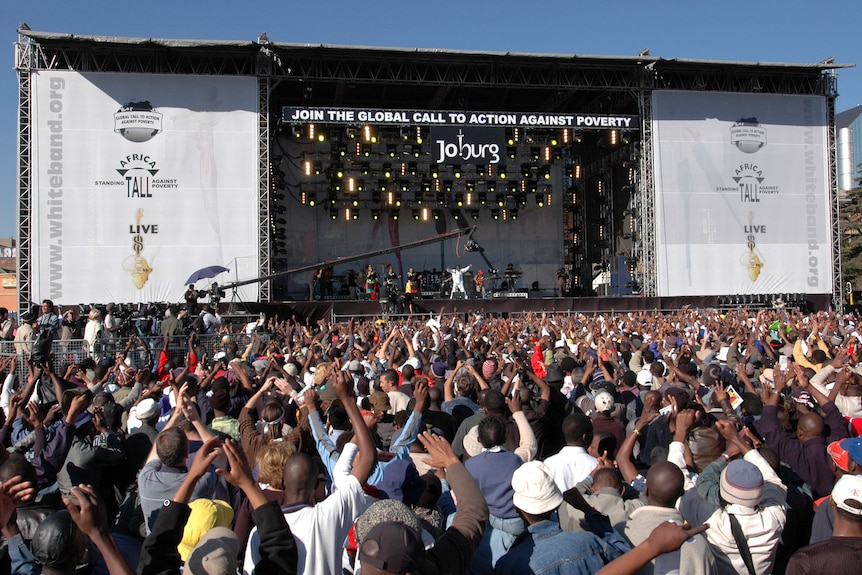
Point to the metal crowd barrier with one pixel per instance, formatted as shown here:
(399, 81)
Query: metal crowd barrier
(64, 352)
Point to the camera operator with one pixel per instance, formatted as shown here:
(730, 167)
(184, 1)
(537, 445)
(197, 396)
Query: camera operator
(113, 324)
(191, 296)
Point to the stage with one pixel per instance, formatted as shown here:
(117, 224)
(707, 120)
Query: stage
(342, 310)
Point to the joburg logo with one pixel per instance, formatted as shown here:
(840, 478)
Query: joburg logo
(467, 151)
(748, 135)
(137, 122)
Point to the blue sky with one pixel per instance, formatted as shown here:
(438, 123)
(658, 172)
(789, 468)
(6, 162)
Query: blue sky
(789, 31)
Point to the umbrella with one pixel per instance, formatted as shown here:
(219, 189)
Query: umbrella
(205, 273)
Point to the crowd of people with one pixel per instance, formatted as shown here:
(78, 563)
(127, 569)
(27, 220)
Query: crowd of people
(691, 442)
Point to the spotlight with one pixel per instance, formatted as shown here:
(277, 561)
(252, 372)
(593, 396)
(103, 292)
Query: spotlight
(512, 152)
(333, 214)
(474, 214)
(456, 171)
(387, 170)
(514, 214)
(525, 170)
(437, 214)
(375, 214)
(535, 154)
(545, 173)
(416, 215)
(495, 214)
(501, 172)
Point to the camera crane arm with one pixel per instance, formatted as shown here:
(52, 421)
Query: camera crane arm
(375, 253)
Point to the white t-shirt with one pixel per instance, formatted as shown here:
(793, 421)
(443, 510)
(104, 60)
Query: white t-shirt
(320, 530)
(570, 466)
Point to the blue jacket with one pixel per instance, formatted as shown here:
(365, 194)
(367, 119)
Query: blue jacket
(546, 549)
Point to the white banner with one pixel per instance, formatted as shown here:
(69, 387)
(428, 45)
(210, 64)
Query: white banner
(139, 180)
(742, 194)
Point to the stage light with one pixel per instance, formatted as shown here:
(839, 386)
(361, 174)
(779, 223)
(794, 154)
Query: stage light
(418, 134)
(365, 168)
(387, 170)
(483, 198)
(531, 187)
(474, 214)
(351, 132)
(441, 198)
(540, 200)
(416, 215)
(578, 137)
(501, 200)
(513, 215)
(365, 150)
(375, 214)
(425, 214)
(504, 214)
(312, 199)
(548, 197)
(548, 153)
(311, 131)
(392, 150)
(625, 137)
(456, 215)
(297, 131)
(435, 173)
(495, 214)
(613, 137)
(447, 185)
(535, 154)
(456, 171)
(459, 200)
(394, 215)
(566, 135)
(437, 214)
(340, 150)
(577, 172)
(390, 198)
(335, 185)
(405, 185)
(426, 186)
(318, 167)
(501, 172)
(525, 170)
(514, 136)
(491, 185)
(480, 170)
(368, 134)
(347, 216)
(351, 185)
(512, 152)
(413, 168)
(545, 172)
(307, 166)
(468, 198)
(333, 214)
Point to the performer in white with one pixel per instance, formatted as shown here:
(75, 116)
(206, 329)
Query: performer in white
(458, 280)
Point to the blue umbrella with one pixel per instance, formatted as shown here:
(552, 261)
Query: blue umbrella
(205, 273)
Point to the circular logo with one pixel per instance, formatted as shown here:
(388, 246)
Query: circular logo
(137, 122)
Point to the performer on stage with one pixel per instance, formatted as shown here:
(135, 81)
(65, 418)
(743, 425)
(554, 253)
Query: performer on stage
(458, 280)
(479, 282)
(371, 283)
(411, 288)
(562, 279)
(511, 275)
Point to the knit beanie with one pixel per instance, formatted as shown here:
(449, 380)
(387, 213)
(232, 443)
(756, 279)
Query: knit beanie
(741, 483)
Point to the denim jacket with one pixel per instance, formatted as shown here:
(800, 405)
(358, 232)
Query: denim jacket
(545, 549)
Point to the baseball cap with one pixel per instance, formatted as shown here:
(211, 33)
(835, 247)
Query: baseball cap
(847, 494)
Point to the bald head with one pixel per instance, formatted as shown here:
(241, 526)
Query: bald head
(300, 478)
(664, 484)
(810, 426)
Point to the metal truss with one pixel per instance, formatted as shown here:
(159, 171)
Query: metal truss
(839, 297)
(264, 188)
(646, 196)
(24, 50)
